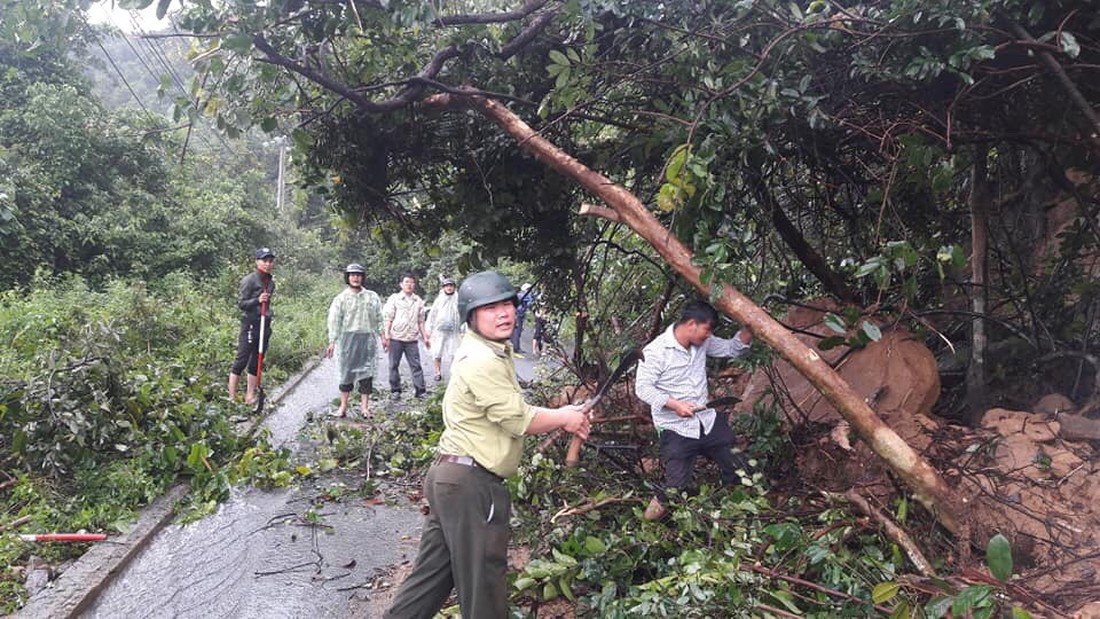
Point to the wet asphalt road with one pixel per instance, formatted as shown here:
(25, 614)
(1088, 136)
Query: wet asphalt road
(258, 556)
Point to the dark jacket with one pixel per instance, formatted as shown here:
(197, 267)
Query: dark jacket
(249, 298)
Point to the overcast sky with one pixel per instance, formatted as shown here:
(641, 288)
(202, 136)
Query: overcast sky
(105, 12)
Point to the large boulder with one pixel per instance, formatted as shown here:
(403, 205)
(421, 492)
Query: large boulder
(897, 376)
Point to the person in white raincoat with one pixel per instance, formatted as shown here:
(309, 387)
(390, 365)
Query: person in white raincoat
(443, 324)
(354, 325)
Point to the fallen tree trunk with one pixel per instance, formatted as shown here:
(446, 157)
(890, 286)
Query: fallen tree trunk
(928, 486)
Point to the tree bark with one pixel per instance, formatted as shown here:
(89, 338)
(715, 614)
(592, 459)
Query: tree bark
(929, 488)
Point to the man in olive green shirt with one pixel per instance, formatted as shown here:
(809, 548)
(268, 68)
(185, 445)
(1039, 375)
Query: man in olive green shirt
(464, 545)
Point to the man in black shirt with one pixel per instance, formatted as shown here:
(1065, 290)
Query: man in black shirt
(255, 293)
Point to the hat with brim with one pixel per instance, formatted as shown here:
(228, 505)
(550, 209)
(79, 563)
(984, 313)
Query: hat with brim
(447, 281)
(264, 252)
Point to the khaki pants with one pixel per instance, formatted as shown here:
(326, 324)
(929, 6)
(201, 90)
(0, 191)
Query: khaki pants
(464, 546)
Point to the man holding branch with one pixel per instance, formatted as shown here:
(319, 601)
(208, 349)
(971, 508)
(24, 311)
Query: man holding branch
(465, 541)
(672, 379)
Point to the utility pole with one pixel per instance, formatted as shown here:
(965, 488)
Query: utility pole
(280, 192)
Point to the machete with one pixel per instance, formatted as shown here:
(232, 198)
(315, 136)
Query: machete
(726, 400)
(573, 455)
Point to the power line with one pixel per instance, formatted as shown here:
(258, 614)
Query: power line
(123, 78)
(158, 54)
(155, 49)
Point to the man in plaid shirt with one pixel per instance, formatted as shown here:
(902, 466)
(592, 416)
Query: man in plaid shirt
(672, 379)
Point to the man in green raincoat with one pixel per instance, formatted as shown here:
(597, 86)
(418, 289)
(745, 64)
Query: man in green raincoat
(354, 325)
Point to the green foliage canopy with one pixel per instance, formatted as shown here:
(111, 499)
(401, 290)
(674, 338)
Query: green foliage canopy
(808, 120)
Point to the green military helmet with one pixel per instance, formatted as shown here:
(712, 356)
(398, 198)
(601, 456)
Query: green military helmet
(484, 288)
(354, 267)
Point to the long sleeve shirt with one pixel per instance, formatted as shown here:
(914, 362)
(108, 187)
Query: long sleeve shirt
(671, 371)
(248, 298)
(484, 412)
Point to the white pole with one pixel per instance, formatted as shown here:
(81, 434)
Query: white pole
(279, 195)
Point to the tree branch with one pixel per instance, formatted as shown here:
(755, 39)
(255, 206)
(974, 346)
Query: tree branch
(894, 532)
(492, 18)
(414, 89)
(599, 211)
(527, 35)
(1060, 76)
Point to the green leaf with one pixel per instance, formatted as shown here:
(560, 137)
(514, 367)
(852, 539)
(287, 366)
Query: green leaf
(1019, 613)
(594, 545)
(563, 78)
(874, 265)
(558, 58)
(938, 606)
(998, 554)
(238, 42)
(835, 323)
(970, 599)
(668, 198)
(562, 558)
(162, 8)
(884, 592)
(676, 164)
(785, 598)
(872, 331)
(1069, 44)
(831, 342)
(901, 611)
(567, 590)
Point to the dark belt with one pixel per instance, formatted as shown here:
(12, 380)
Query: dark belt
(464, 461)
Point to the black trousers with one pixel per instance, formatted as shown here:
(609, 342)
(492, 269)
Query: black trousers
(248, 345)
(366, 386)
(678, 455)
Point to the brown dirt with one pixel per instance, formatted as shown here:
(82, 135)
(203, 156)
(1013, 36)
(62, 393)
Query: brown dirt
(1017, 474)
